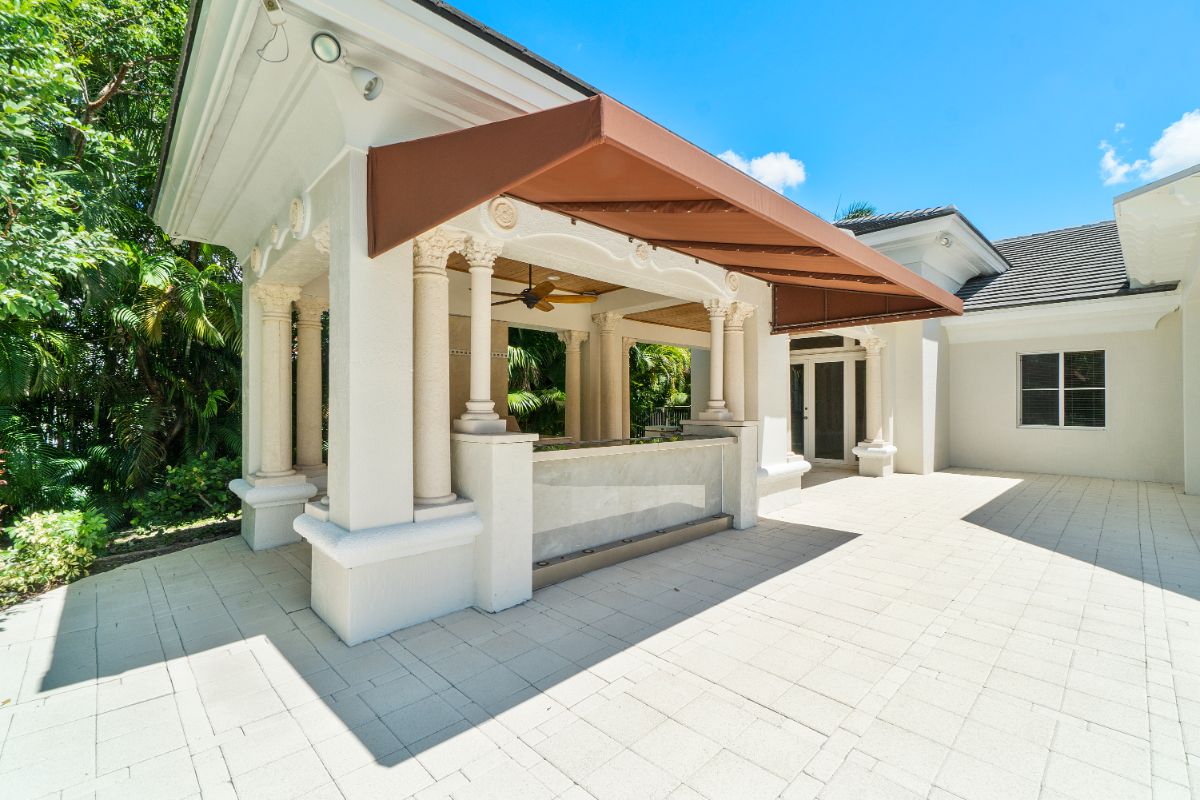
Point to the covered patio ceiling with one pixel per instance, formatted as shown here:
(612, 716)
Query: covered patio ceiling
(599, 161)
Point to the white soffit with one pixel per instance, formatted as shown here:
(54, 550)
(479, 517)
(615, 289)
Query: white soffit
(945, 244)
(1128, 314)
(1159, 226)
(250, 135)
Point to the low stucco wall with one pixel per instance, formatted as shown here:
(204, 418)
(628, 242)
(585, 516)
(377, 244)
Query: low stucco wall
(588, 497)
(1140, 441)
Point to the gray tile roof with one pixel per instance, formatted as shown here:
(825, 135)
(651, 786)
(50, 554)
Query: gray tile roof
(881, 222)
(1052, 267)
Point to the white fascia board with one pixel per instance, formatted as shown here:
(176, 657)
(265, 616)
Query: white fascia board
(968, 255)
(222, 30)
(1125, 314)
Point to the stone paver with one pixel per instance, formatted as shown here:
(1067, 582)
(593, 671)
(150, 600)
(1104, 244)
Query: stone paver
(961, 635)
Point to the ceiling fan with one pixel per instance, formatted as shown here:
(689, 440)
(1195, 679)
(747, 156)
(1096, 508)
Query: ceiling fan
(541, 296)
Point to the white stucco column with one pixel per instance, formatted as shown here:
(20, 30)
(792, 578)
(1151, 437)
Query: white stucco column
(274, 495)
(735, 359)
(716, 410)
(610, 375)
(875, 453)
(276, 378)
(574, 380)
(431, 366)
(481, 416)
(626, 346)
(309, 437)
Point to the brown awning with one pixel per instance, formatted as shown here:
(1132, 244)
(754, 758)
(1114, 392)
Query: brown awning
(598, 161)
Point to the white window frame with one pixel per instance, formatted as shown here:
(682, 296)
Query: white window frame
(1062, 390)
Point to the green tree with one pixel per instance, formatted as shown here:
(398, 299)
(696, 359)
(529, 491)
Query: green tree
(118, 348)
(659, 375)
(536, 380)
(856, 210)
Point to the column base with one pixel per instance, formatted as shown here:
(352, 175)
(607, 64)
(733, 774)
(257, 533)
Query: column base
(479, 423)
(715, 415)
(316, 474)
(368, 583)
(445, 499)
(269, 506)
(780, 485)
(875, 459)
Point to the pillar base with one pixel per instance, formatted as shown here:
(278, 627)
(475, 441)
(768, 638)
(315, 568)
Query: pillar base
(715, 414)
(269, 506)
(875, 459)
(479, 423)
(368, 583)
(444, 500)
(316, 474)
(779, 485)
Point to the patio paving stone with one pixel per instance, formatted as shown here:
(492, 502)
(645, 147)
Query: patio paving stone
(954, 636)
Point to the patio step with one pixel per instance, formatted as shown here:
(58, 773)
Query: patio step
(560, 568)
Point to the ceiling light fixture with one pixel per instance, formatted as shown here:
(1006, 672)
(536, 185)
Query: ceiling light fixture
(326, 48)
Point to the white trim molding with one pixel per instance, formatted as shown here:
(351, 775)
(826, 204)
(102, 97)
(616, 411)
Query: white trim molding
(1124, 314)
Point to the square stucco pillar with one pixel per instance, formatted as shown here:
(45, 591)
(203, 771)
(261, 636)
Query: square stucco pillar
(1191, 389)
(376, 566)
(496, 472)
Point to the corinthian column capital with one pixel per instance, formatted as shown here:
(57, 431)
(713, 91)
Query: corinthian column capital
(873, 344)
(431, 250)
(276, 299)
(309, 309)
(717, 309)
(481, 252)
(607, 320)
(737, 315)
(573, 339)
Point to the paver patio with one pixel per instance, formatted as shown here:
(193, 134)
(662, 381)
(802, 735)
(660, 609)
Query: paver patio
(961, 634)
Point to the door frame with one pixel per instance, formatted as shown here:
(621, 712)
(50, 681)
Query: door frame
(810, 358)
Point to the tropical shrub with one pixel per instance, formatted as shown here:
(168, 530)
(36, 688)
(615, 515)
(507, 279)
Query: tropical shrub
(47, 548)
(194, 489)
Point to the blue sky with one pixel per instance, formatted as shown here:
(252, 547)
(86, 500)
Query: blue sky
(998, 107)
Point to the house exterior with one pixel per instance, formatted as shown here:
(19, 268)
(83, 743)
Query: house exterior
(1114, 299)
(420, 184)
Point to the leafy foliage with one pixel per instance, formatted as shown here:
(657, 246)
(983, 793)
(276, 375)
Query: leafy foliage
(658, 375)
(857, 210)
(49, 548)
(118, 348)
(193, 489)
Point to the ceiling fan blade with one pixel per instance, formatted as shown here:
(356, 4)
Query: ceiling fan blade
(509, 294)
(573, 298)
(506, 302)
(542, 289)
(544, 306)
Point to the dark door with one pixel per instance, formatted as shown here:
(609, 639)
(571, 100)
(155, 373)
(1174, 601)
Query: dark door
(798, 408)
(830, 410)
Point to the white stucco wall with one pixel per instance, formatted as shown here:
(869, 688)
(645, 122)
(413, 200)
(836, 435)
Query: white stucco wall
(1144, 414)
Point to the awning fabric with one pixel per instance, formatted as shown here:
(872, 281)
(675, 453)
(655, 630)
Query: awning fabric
(601, 162)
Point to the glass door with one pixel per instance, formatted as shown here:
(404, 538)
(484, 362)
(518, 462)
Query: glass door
(798, 409)
(829, 404)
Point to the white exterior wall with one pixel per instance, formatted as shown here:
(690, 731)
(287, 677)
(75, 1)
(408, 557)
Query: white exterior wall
(1144, 415)
(1190, 356)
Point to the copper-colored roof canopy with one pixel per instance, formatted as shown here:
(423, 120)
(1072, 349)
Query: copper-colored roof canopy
(598, 161)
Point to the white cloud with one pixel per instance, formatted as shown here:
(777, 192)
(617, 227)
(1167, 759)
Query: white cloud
(1177, 148)
(778, 170)
(1120, 126)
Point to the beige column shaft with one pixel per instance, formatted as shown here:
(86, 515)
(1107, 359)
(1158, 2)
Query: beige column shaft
(626, 346)
(735, 359)
(573, 340)
(481, 416)
(431, 366)
(717, 309)
(276, 376)
(610, 375)
(309, 437)
(874, 390)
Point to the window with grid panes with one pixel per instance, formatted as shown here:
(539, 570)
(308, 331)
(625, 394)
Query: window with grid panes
(1063, 389)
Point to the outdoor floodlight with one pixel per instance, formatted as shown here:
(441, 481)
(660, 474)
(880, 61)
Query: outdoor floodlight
(366, 82)
(326, 48)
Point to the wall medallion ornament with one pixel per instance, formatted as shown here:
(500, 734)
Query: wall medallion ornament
(503, 213)
(732, 281)
(255, 259)
(320, 237)
(642, 251)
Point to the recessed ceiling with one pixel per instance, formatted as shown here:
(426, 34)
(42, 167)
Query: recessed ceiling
(506, 269)
(691, 316)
